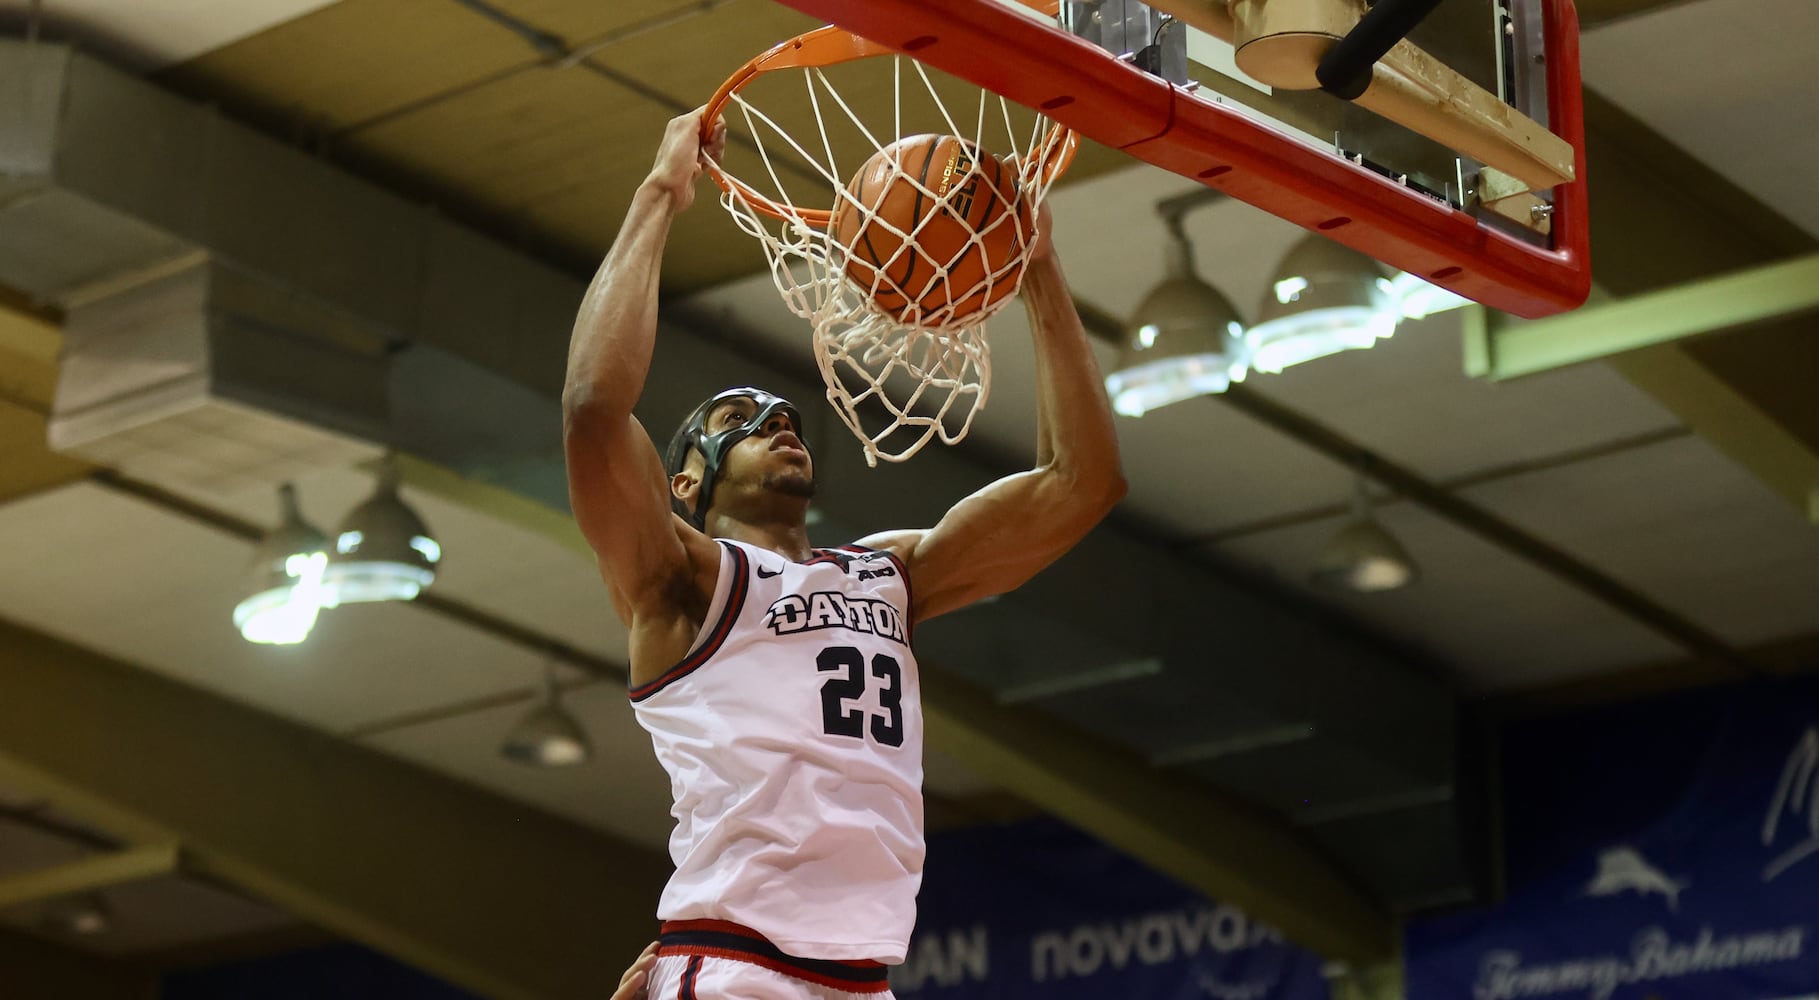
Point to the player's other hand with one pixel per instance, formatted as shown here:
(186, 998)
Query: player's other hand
(686, 147)
(635, 984)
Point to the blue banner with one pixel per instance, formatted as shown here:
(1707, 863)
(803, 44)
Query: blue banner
(1666, 850)
(1039, 910)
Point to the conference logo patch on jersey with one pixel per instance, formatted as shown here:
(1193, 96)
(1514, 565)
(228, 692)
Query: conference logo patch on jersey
(794, 613)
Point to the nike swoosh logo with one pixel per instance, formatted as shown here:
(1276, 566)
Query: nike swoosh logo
(762, 575)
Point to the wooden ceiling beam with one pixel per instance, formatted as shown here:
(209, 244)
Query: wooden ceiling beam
(86, 874)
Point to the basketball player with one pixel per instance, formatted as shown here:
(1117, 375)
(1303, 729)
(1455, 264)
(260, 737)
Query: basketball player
(775, 678)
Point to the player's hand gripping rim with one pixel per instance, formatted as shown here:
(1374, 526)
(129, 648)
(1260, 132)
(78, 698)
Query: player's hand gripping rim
(688, 143)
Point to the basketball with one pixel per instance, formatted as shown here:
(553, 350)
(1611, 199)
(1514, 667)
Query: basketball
(934, 228)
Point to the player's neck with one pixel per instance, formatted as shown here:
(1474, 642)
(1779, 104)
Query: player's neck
(788, 537)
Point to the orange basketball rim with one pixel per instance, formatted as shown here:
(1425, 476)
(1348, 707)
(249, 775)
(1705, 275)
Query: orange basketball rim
(831, 46)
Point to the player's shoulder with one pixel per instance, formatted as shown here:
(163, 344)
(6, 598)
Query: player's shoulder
(900, 543)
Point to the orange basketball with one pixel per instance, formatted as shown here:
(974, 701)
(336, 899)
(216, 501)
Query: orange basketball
(935, 228)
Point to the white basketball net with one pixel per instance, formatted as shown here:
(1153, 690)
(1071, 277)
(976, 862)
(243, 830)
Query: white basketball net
(897, 381)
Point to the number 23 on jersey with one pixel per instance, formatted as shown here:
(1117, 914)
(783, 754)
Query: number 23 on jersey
(848, 683)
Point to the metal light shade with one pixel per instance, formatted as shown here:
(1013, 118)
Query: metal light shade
(1363, 557)
(1419, 299)
(81, 915)
(383, 551)
(1185, 341)
(287, 576)
(548, 736)
(1325, 298)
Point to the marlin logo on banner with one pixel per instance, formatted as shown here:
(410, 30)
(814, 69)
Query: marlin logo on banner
(1681, 867)
(1798, 796)
(1624, 869)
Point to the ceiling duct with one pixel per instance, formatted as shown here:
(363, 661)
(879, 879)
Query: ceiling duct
(183, 382)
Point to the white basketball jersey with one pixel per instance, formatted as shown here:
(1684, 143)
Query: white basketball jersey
(792, 734)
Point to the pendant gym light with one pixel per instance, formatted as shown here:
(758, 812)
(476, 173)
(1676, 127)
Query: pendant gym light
(548, 736)
(1363, 557)
(1417, 298)
(287, 579)
(1183, 341)
(1325, 298)
(383, 551)
(84, 914)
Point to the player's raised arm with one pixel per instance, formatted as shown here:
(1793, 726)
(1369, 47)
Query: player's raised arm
(617, 485)
(999, 537)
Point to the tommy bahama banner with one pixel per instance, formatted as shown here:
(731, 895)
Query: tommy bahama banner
(1667, 850)
(1039, 911)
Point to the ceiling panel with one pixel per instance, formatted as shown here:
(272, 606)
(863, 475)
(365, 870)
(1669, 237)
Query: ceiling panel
(571, 605)
(1729, 81)
(1409, 399)
(1304, 777)
(1200, 467)
(512, 142)
(578, 22)
(1686, 526)
(750, 312)
(621, 790)
(547, 152)
(146, 36)
(1497, 622)
(585, 218)
(689, 58)
(168, 912)
(1185, 708)
(354, 60)
(24, 848)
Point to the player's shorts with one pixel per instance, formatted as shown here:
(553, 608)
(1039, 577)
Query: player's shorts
(717, 960)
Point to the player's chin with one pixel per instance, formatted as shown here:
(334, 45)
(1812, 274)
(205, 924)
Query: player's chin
(793, 460)
(792, 482)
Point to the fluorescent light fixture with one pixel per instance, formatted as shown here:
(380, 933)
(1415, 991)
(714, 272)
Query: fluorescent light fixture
(287, 580)
(1325, 298)
(383, 552)
(548, 736)
(1184, 340)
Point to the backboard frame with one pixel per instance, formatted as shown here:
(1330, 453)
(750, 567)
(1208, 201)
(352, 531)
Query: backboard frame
(1199, 136)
